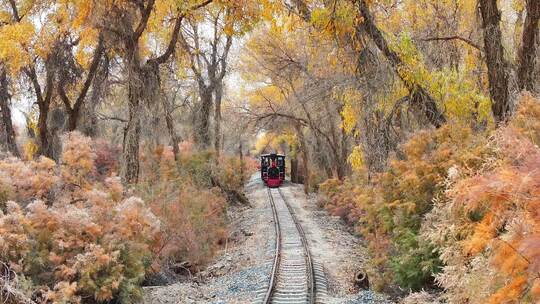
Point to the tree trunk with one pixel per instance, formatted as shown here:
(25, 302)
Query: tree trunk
(73, 118)
(420, 98)
(43, 102)
(202, 119)
(242, 165)
(43, 133)
(132, 131)
(498, 77)
(7, 123)
(527, 53)
(169, 121)
(341, 167)
(217, 118)
(303, 151)
(321, 156)
(294, 170)
(74, 111)
(99, 88)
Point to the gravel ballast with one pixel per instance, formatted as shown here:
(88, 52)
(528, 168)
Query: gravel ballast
(241, 269)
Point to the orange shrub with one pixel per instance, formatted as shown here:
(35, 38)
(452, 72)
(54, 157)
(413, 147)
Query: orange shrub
(191, 210)
(74, 239)
(193, 224)
(499, 212)
(486, 227)
(388, 210)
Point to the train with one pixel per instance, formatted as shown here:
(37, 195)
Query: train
(273, 169)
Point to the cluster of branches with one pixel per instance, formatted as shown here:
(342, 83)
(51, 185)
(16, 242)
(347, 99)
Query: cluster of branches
(304, 99)
(66, 94)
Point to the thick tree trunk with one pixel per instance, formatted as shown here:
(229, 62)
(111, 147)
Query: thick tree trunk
(304, 153)
(44, 102)
(217, 117)
(322, 158)
(43, 134)
(498, 77)
(7, 123)
(74, 111)
(130, 153)
(99, 88)
(527, 53)
(420, 98)
(294, 170)
(202, 119)
(132, 131)
(73, 118)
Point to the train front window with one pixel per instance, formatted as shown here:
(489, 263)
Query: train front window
(273, 172)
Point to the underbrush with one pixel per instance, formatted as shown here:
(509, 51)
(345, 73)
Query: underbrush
(190, 198)
(70, 232)
(70, 237)
(458, 211)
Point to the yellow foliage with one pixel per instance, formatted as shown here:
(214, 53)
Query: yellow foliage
(30, 149)
(15, 40)
(88, 38)
(84, 10)
(272, 141)
(349, 113)
(356, 159)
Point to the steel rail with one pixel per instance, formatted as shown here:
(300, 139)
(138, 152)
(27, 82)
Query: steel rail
(309, 260)
(275, 265)
(310, 273)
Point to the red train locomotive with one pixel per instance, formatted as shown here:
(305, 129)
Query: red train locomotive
(273, 169)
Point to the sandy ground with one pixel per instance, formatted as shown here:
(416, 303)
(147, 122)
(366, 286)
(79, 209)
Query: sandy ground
(241, 269)
(333, 245)
(330, 243)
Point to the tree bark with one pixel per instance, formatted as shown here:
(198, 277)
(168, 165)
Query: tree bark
(242, 165)
(143, 84)
(132, 131)
(342, 160)
(7, 123)
(217, 117)
(43, 132)
(497, 74)
(202, 119)
(169, 121)
(303, 151)
(294, 170)
(527, 53)
(99, 88)
(44, 103)
(74, 110)
(420, 98)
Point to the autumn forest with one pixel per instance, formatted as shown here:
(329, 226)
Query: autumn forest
(129, 129)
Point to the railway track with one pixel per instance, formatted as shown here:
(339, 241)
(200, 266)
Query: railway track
(294, 278)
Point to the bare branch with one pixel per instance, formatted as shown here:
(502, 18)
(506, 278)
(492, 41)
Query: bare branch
(176, 31)
(455, 37)
(145, 15)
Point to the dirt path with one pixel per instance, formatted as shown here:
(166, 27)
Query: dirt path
(242, 268)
